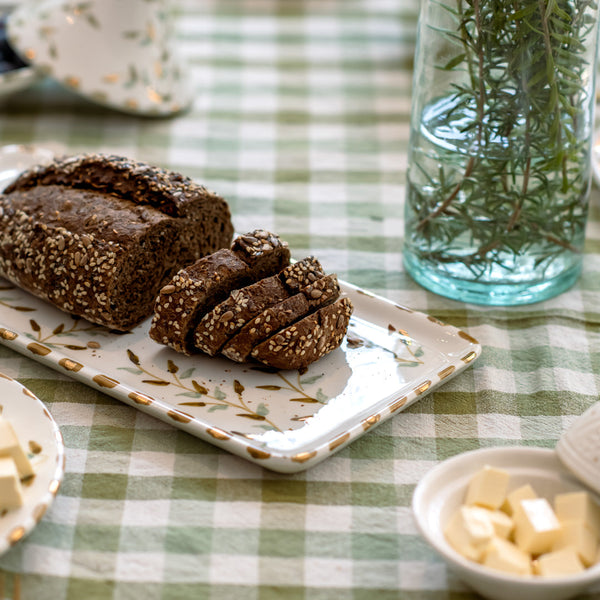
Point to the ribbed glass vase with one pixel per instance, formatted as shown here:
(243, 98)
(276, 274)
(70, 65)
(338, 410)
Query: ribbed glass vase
(499, 166)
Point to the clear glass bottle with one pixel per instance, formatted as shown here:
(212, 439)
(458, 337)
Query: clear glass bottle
(499, 168)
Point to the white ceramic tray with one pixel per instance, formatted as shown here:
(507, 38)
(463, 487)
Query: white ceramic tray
(286, 421)
(40, 437)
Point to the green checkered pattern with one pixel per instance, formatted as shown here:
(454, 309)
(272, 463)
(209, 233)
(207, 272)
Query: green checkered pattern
(301, 120)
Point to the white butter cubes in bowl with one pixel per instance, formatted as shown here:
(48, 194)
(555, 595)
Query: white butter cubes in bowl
(14, 467)
(513, 523)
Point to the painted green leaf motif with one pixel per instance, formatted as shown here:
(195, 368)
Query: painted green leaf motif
(262, 410)
(321, 397)
(131, 370)
(419, 352)
(311, 380)
(218, 394)
(217, 407)
(192, 395)
(187, 374)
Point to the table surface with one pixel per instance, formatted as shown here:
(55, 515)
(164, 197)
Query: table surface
(301, 120)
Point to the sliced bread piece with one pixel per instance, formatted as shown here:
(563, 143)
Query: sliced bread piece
(307, 340)
(227, 318)
(318, 294)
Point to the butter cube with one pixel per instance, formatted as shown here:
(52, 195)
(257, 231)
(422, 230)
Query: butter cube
(525, 492)
(9, 446)
(577, 535)
(488, 488)
(503, 555)
(578, 505)
(536, 526)
(11, 493)
(502, 523)
(469, 531)
(558, 562)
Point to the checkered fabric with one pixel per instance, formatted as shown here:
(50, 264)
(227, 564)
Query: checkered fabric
(301, 120)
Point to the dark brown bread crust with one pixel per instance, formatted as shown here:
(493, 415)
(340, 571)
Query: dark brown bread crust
(307, 340)
(220, 324)
(141, 183)
(302, 273)
(197, 289)
(272, 319)
(97, 248)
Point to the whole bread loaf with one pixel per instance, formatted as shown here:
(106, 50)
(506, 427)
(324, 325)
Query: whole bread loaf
(258, 308)
(99, 235)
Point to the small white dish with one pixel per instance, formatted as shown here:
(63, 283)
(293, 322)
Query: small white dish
(40, 436)
(118, 54)
(17, 80)
(15, 158)
(579, 447)
(441, 491)
(15, 74)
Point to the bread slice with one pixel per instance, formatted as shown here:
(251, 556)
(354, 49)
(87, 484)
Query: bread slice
(307, 340)
(221, 323)
(197, 289)
(99, 235)
(318, 294)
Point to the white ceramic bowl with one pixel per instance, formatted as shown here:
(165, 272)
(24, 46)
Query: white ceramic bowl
(442, 491)
(117, 53)
(579, 447)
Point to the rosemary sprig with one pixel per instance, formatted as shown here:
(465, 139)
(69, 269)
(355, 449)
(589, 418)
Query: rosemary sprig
(518, 181)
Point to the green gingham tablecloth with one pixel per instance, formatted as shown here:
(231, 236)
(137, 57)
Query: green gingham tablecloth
(301, 120)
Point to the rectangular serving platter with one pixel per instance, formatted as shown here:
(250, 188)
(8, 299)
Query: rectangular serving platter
(285, 421)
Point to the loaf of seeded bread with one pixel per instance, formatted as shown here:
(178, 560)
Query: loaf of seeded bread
(283, 315)
(99, 235)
